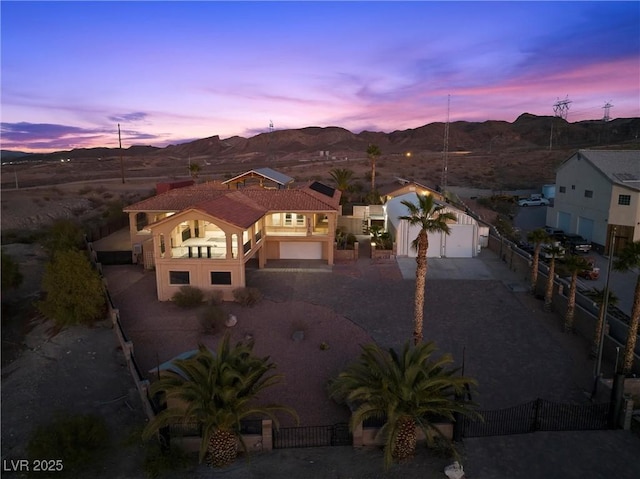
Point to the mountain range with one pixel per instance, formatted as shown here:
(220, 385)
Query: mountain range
(527, 132)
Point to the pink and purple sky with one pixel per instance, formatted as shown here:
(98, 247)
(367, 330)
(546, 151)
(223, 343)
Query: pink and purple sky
(171, 72)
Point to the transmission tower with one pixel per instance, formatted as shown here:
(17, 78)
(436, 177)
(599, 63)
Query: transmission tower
(561, 108)
(445, 149)
(607, 106)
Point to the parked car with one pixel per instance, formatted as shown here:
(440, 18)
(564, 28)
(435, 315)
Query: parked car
(592, 272)
(544, 251)
(576, 243)
(533, 202)
(555, 233)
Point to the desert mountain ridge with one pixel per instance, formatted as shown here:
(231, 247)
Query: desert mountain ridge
(527, 132)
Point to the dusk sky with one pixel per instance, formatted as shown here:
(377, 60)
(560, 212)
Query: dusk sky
(171, 72)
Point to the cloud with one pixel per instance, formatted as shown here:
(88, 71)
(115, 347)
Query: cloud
(129, 117)
(51, 136)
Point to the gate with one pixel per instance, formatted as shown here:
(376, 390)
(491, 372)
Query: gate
(312, 436)
(538, 415)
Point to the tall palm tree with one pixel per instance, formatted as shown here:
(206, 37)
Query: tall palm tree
(574, 265)
(431, 218)
(629, 259)
(373, 152)
(194, 169)
(342, 178)
(408, 390)
(217, 391)
(537, 237)
(554, 251)
(598, 296)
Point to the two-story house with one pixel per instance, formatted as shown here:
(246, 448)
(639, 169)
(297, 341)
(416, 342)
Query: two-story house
(204, 235)
(595, 191)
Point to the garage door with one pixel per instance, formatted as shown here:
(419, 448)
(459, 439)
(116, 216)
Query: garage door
(301, 250)
(564, 221)
(458, 244)
(585, 227)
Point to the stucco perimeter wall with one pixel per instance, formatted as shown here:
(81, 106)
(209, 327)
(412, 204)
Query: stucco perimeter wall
(199, 276)
(253, 442)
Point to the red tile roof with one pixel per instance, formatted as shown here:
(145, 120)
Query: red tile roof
(229, 205)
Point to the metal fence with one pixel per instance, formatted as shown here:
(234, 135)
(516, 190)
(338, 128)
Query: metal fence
(538, 415)
(312, 436)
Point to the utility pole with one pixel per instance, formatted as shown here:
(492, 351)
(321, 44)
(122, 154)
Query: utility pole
(445, 149)
(120, 145)
(605, 307)
(607, 107)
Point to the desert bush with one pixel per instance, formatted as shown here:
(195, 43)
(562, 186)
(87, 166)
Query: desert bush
(212, 318)
(77, 441)
(85, 189)
(74, 293)
(216, 297)
(247, 296)
(188, 297)
(63, 235)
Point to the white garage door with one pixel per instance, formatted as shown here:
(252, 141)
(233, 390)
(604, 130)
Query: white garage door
(301, 250)
(585, 227)
(460, 243)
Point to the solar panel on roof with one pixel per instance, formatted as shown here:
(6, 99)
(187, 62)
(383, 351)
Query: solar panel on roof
(323, 189)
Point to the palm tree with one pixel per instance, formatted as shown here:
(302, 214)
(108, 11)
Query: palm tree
(537, 238)
(217, 391)
(373, 152)
(598, 296)
(574, 265)
(629, 259)
(194, 169)
(342, 178)
(407, 390)
(554, 251)
(431, 218)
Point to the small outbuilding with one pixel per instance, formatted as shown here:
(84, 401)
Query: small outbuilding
(462, 242)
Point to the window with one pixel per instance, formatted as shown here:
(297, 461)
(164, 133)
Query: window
(624, 200)
(178, 277)
(563, 189)
(573, 187)
(141, 221)
(221, 277)
(299, 220)
(588, 194)
(288, 219)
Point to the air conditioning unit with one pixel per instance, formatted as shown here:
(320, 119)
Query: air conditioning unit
(137, 248)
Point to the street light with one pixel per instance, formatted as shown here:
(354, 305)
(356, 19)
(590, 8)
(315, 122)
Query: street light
(605, 305)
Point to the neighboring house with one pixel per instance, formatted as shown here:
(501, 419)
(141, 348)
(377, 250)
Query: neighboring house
(204, 235)
(596, 190)
(462, 242)
(263, 177)
(402, 187)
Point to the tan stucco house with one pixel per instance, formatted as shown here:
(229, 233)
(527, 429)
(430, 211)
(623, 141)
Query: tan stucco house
(204, 235)
(595, 191)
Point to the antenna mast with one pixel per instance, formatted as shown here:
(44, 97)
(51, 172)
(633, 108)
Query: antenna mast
(445, 149)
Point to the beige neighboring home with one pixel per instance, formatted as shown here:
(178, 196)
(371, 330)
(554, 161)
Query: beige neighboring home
(402, 187)
(595, 191)
(204, 235)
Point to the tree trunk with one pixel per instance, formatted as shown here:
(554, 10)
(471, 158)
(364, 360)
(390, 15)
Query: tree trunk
(571, 305)
(534, 269)
(421, 274)
(223, 449)
(599, 325)
(404, 445)
(632, 334)
(548, 295)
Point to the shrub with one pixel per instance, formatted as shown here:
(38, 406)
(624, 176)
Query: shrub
(188, 297)
(63, 235)
(75, 440)
(247, 296)
(216, 297)
(11, 275)
(74, 290)
(212, 318)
